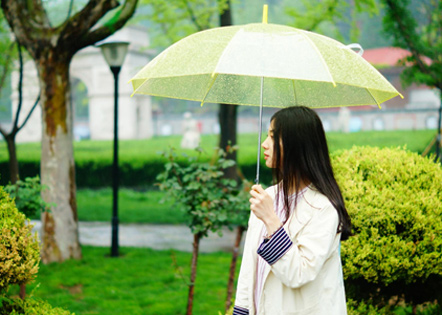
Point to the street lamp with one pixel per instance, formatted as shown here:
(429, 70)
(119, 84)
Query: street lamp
(114, 54)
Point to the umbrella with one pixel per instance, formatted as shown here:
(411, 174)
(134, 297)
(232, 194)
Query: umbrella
(263, 64)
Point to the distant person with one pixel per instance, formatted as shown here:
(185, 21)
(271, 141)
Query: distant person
(191, 135)
(291, 262)
(344, 117)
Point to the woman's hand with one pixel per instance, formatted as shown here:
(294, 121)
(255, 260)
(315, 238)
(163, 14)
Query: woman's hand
(262, 206)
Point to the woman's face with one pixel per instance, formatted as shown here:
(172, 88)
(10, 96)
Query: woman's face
(267, 145)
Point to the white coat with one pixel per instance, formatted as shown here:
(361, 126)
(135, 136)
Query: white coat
(307, 279)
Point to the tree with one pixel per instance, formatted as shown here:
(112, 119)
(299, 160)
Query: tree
(52, 49)
(10, 136)
(204, 194)
(421, 35)
(334, 18)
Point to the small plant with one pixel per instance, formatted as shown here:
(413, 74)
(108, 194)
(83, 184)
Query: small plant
(204, 195)
(27, 195)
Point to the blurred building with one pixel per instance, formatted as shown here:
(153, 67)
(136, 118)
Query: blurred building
(417, 110)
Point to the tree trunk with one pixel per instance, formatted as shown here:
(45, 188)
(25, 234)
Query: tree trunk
(60, 225)
(227, 120)
(239, 233)
(13, 162)
(196, 244)
(228, 113)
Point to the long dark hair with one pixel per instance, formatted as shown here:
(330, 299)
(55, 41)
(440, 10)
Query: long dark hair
(304, 158)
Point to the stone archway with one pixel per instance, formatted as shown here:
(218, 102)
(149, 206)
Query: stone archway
(88, 66)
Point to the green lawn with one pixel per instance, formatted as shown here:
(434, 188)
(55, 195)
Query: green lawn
(142, 281)
(145, 150)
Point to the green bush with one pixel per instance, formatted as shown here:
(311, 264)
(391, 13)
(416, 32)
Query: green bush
(29, 306)
(27, 196)
(394, 198)
(19, 251)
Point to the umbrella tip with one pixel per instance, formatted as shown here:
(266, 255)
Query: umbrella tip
(265, 11)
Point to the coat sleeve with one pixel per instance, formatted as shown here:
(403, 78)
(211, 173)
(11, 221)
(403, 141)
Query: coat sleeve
(297, 260)
(242, 292)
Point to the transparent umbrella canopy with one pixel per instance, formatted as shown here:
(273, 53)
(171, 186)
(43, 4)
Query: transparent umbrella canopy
(226, 64)
(266, 65)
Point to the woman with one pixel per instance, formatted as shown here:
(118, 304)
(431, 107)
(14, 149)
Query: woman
(291, 262)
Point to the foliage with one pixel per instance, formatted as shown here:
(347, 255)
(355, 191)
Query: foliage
(240, 206)
(394, 198)
(329, 15)
(179, 18)
(415, 26)
(19, 251)
(27, 196)
(29, 306)
(201, 189)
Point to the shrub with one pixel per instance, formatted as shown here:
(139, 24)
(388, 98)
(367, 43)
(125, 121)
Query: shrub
(30, 306)
(19, 251)
(394, 198)
(27, 196)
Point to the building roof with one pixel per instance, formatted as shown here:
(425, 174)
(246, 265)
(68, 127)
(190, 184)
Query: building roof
(387, 56)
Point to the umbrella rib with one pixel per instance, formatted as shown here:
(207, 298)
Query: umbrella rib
(212, 82)
(294, 92)
(320, 57)
(374, 99)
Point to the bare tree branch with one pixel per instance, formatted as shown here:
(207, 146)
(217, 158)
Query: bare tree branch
(29, 15)
(84, 20)
(20, 88)
(71, 3)
(3, 132)
(30, 112)
(120, 18)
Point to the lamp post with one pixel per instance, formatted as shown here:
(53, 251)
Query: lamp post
(114, 54)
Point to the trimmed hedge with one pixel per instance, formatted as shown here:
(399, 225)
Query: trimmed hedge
(97, 174)
(394, 198)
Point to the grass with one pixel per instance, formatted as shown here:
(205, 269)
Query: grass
(141, 281)
(147, 149)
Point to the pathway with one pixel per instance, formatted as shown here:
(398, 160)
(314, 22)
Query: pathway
(152, 236)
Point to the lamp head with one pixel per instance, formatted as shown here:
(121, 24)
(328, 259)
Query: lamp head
(114, 52)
